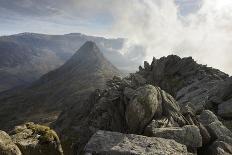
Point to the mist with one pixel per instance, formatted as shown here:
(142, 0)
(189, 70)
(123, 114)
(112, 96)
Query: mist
(160, 28)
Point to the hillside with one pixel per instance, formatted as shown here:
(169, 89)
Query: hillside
(25, 57)
(85, 71)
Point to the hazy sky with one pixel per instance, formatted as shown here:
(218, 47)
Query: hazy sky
(198, 28)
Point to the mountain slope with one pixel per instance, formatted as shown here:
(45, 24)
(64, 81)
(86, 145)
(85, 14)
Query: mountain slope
(85, 71)
(27, 56)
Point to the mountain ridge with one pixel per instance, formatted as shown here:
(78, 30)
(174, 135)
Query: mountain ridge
(50, 94)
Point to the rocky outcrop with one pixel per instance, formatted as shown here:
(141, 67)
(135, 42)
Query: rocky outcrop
(7, 147)
(145, 103)
(113, 143)
(190, 83)
(36, 139)
(188, 135)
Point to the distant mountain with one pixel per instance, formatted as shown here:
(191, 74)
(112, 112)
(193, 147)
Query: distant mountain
(42, 102)
(25, 57)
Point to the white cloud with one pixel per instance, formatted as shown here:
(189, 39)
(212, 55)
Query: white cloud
(155, 24)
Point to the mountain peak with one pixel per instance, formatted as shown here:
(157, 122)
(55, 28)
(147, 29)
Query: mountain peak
(89, 53)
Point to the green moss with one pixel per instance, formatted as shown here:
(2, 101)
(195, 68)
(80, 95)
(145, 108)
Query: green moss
(46, 134)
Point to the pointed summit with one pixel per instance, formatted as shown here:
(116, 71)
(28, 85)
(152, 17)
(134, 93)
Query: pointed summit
(88, 53)
(84, 72)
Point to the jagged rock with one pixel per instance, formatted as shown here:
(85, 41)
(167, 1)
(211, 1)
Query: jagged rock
(113, 143)
(214, 126)
(207, 117)
(7, 147)
(37, 140)
(225, 109)
(217, 130)
(220, 148)
(145, 102)
(188, 135)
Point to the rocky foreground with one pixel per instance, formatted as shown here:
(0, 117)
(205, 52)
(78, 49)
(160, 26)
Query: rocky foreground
(171, 106)
(173, 99)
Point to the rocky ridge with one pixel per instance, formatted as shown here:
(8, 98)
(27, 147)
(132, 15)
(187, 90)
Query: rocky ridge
(141, 104)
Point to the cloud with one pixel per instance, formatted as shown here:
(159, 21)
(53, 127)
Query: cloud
(161, 30)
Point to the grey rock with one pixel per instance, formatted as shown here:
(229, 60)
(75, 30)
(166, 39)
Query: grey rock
(207, 117)
(217, 130)
(225, 109)
(220, 148)
(7, 147)
(113, 143)
(128, 92)
(188, 135)
(142, 107)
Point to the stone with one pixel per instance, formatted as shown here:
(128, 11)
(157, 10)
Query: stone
(114, 143)
(7, 147)
(217, 130)
(207, 117)
(128, 92)
(225, 109)
(36, 139)
(220, 148)
(188, 135)
(142, 107)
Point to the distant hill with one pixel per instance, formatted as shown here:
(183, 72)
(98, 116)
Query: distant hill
(42, 102)
(25, 57)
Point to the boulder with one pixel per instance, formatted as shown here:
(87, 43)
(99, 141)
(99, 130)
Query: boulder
(7, 147)
(225, 109)
(207, 117)
(114, 143)
(217, 130)
(220, 148)
(36, 139)
(145, 102)
(188, 135)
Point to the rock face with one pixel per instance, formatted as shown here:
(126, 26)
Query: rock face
(37, 140)
(113, 143)
(220, 148)
(188, 135)
(7, 147)
(146, 101)
(190, 83)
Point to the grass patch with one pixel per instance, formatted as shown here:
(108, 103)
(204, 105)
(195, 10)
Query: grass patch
(46, 134)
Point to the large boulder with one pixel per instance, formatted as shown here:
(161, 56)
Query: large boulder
(145, 102)
(7, 147)
(225, 109)
(36, 139)
(113, 143)
(188, 135)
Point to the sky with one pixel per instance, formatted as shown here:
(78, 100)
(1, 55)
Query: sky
(198, 28)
